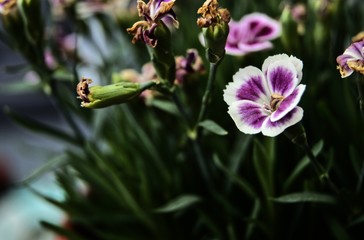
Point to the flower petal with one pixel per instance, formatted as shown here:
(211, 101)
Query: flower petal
(261, 26)
(254, 47)
(248, 83)
(282, 77)
(273, 129)
(295, 61)
(355, 52)
(248, 116)
(288, 103)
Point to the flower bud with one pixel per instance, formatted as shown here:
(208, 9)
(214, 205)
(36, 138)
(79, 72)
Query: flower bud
(104, 96)
(215, 29)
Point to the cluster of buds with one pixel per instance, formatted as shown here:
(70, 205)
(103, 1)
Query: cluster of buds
(214, 22)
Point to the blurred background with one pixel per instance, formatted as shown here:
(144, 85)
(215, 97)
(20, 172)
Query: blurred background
(88, 38)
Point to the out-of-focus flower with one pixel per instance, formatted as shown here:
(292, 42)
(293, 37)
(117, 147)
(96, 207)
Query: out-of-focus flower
(6, 6)
(155, 13)
(190, 64)
(104, 96)
(148, 73)
(266, 101)
(251, 34)
(215, 29)
(118, 9)
(352, 59)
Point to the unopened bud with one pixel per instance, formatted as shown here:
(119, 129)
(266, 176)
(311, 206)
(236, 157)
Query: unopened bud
(104, 96)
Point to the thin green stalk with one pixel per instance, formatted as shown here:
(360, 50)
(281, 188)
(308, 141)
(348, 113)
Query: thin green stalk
(320, 170)
(207, 95)
(192, 137)
(360, 86)
(66, 114)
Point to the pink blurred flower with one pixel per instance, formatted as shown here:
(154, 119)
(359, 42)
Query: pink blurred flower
(251, 34)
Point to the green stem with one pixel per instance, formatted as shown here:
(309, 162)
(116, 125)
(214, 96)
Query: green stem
(320, 170)
(360, 86)
(196, 146)
(65, 112)
(207, 95)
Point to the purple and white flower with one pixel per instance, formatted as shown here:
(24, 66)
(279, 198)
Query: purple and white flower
(352, 59)
(266, 100)
(251, 34)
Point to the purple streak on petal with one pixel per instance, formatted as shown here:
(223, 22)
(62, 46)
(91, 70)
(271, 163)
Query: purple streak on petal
(252, 89)
(248, 83)
(272, 129)
(288, 103)
(282, 77)
(261, 27)
(248, 116)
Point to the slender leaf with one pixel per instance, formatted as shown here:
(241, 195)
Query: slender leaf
(301, 165)
(61, 231)
(39, 127)
(178, 203)
(244, 185)
(164, 106)
(305, 197)
(213, 127)
(47, 167)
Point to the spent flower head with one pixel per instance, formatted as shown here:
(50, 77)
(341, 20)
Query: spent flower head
(251, 34)
(353, 58)
(266, 100)
(214, 22)
(6, 6)
(155, 13)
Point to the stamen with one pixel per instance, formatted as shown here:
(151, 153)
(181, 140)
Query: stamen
(275, 101)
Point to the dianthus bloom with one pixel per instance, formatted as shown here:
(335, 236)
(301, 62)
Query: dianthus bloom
(352, 59)
(266, 101)
(251, 34)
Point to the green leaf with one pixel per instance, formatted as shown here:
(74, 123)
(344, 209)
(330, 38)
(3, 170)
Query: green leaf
(178, 203)
(40, 127)
(61, 231)
(305, 197)
(301, 165)
(243, 184)
(19, 87)
(48, 166)
(164, 106)
(212, 127)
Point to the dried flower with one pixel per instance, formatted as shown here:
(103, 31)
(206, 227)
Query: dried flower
(352, 59)
(251, 34)
(266, 101)
(155, 12)
(215, 29)
(6, 6)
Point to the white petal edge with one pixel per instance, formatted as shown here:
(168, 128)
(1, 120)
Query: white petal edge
(243, 75)
(234, 112)
(272, 132)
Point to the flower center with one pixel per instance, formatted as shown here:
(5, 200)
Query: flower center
(275, 101)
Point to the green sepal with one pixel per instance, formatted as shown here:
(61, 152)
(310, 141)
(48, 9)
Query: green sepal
(117, 93)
